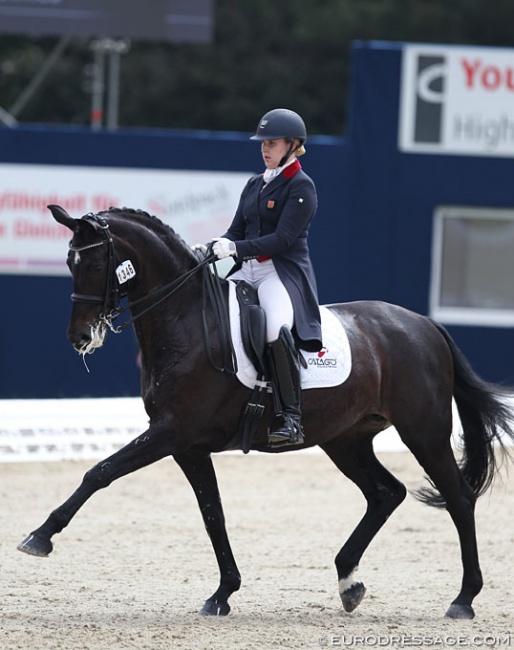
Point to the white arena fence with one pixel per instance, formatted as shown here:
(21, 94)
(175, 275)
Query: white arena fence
(68, 429)
(91, 429)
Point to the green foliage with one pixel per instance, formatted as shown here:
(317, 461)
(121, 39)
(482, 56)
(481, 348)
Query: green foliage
(265, 54)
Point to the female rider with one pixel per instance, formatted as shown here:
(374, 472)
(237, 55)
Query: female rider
(268, 239)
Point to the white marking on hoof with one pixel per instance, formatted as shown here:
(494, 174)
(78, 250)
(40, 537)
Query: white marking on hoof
(348, 582)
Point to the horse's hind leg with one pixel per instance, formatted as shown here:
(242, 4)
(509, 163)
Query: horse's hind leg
(441, 466)
(383, 493)
(144, 450)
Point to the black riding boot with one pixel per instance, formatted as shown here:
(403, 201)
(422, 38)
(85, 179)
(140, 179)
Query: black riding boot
(285, 376)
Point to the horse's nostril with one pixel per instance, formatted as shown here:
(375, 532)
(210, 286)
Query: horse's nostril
(78, 339)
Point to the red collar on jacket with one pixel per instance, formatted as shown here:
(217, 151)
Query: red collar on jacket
(291, 169)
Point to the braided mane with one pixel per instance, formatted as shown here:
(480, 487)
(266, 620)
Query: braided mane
(163, 230)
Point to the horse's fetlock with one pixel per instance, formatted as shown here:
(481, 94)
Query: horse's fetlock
(54, 524)
(232, 583)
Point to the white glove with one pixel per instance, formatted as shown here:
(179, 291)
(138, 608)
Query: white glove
(201, 250)
(223, 248)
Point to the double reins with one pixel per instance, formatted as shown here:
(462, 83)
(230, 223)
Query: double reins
(110, 301)
(166, 290)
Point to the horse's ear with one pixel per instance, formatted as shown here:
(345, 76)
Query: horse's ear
(62, 217)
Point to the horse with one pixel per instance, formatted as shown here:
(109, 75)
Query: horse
(406, 370)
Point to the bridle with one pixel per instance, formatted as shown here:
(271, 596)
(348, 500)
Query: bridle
(110, 300)
(111, 297)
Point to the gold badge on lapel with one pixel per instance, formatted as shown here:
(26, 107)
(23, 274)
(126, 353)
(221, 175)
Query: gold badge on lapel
(270, 205)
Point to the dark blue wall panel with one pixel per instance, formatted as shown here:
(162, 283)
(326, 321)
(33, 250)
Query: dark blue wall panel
(392, 199)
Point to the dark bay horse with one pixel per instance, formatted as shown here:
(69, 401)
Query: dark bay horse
(406, 369)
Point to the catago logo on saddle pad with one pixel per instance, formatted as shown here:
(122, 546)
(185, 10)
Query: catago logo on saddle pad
(330, 366)
(323, 359)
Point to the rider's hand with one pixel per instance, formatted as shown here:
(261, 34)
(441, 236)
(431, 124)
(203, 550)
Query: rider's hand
(223, 248)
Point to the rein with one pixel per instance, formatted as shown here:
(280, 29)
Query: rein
(168, 290)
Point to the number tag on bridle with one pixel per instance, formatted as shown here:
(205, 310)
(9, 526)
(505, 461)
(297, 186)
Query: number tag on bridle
(125, 271)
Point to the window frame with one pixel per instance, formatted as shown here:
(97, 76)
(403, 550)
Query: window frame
(458, 315)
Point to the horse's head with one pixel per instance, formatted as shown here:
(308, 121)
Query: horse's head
(95, 292)
(123, 252)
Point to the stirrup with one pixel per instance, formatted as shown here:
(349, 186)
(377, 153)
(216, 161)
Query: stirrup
(290, 432)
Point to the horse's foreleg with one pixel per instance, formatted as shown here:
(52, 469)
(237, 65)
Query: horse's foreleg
(144, 450)
(200, 473)
(383, 493)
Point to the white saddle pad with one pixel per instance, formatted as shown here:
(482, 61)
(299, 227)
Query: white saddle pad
(330, 366)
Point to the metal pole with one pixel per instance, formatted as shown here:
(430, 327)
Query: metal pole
(114, 90)
(97, 99)
(117, 48)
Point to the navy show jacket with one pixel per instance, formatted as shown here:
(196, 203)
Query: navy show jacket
(273, 220)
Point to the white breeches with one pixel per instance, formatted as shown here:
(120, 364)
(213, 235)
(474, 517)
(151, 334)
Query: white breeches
(273, 296)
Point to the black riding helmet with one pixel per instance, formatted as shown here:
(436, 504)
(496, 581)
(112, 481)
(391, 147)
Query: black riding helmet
(282, 123)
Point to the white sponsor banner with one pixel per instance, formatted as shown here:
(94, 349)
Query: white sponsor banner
(198, 205)
(457, 100)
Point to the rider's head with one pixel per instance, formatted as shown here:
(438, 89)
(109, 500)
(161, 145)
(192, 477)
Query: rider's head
(281, 123)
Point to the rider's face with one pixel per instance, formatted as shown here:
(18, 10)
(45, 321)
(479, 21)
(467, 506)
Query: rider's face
(273, 151)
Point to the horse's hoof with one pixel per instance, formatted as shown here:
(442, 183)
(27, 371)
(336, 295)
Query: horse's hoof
(34, 545)
(214, 608)
(352, 596)
(460, 611)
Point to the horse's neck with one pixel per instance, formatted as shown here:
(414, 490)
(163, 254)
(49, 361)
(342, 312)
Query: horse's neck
(176, 329)
(159, 264)
(164, 296)
(169, 336)
(158, 261)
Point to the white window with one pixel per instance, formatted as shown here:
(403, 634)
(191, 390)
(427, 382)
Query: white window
(472, 279)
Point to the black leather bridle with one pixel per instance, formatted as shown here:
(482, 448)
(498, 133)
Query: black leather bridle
(110, 300)
(112, 295)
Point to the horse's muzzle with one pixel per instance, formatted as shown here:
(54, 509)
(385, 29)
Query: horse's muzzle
(87, 340)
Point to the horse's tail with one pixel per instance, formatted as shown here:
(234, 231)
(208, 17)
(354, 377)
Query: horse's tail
(485, 416)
